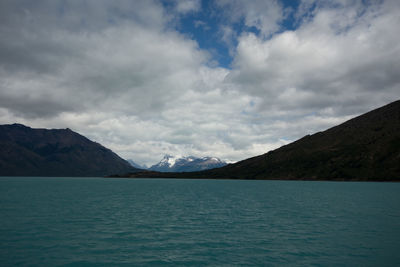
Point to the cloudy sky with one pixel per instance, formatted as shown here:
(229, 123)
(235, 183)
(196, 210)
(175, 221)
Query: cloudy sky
(225, 78)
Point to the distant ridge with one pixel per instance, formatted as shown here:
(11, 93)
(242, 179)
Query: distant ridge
(57, 152)
(186, 164)
(365, 148)
(135, 165)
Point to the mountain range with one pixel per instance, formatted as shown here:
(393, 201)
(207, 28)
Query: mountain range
(364, 148)
(56, 152)
(186, 164)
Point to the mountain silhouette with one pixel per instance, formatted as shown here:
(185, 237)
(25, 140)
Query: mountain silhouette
(364, 148)
(57, 152)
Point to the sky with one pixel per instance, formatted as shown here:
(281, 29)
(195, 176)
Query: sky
(225, 78)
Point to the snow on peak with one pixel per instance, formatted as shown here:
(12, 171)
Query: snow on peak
(186, 163)
(211, 159)
(170, 160)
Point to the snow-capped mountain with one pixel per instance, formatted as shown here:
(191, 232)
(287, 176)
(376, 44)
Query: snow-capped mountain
(186, 164)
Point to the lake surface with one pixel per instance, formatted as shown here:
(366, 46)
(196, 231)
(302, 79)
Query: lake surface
(136, 222)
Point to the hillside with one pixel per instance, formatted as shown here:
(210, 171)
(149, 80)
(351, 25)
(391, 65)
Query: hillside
(364, 148)
(58, 152)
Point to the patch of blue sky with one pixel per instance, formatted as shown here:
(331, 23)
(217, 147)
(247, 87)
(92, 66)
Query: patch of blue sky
(206, 31)
(205, 27)
(290, 22)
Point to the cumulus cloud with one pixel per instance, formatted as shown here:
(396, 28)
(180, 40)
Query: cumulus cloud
(345, 59)
(135, 86)
(121, 74)
(186, 6)
(263, 15)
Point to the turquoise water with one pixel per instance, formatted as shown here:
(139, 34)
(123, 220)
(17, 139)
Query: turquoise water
(136, 222)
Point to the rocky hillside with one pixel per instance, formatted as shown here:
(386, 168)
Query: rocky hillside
(58, 152)
(364, 148)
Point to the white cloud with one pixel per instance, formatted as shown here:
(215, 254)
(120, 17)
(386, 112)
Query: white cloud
(201, 24)
(118, 73)
(127, 68)
(263, 15)
(343, 59)
(141, 90)
(186, 6)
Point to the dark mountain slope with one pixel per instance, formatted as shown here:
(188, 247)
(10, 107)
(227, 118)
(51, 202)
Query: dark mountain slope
(58, 152)
(364, 148)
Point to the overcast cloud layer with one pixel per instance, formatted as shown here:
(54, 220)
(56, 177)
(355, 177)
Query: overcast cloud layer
(122, 73)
